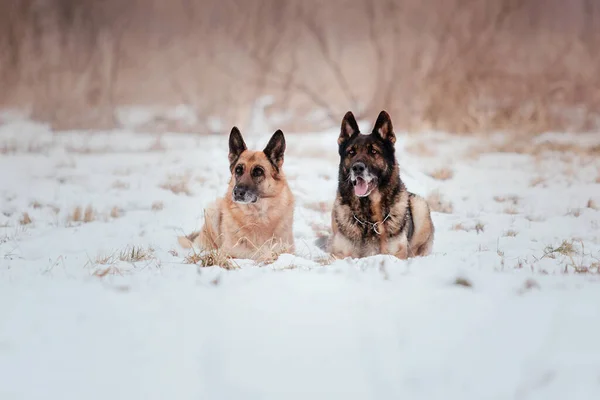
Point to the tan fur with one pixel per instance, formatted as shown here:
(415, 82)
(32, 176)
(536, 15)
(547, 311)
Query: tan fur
(258, 231)
(422, 240)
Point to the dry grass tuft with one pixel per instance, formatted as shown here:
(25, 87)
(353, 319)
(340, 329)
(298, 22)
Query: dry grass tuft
(503, 199)
(534, 218)
(511, 211)
(574, 212)
(510, 233)
(459, 227)
(442, 174)
(120, 185)
(157, 206)
(437, 203)
(479, 227)
(566, 248)
(76, 215)
(135, 254)
(537, 181)
(115, 212)
(25, 219)
(464, 282)
(593, 205)
(36, 204)
(210, 258)
(89, 215)
(178, 184)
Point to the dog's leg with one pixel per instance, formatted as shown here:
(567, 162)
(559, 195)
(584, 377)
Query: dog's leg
(341, 247)
(210, 235)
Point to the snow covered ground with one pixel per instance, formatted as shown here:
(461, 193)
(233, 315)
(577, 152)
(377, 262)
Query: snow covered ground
(97, 301)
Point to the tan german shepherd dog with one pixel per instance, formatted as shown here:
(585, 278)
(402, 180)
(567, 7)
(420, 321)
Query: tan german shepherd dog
(254, 219)
(373, 212)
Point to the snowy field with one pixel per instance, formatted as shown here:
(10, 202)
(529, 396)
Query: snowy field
(98, 301)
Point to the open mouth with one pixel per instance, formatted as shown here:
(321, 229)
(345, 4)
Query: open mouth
(362, 188)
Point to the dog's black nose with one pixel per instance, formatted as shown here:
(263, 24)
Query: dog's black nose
(239, 191)
(358, 168)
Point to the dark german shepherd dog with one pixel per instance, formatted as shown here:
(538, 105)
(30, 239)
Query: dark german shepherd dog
(373, 212)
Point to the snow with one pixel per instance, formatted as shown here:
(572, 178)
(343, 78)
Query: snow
(78, 323)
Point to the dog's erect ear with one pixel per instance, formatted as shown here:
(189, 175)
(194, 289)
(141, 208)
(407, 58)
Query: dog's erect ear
(275, 149)
(349, 128)
(236, 146)
(383, 127)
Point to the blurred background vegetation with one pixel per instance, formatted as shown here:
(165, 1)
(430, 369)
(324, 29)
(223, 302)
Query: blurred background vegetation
(464, 66)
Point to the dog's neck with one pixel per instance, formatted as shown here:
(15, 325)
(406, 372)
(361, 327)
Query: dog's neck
(381, 198)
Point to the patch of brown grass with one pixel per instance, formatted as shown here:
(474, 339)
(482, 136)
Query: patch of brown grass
(157, 206)
(566, 248)
(437, 203)
(510, 233)
(177, 185)
(511, 211)
(593, 205)
(89, 214)
(464, 282)
(115, 212)
(25, 219)
(210, 258)
(36, 204)
(537, 181)
(76, 215)
(120, 185)
(459, 227)
(503, 199)
(574, 212)
(442, 174)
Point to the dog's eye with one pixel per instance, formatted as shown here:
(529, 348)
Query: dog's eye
(352, 151)
(256, 172)
(373, 150)
(239, 170)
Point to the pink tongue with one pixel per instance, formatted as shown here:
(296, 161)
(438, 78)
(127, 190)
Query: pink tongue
(361, 187)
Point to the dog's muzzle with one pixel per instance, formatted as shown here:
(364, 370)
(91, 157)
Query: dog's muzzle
(362, 180)
(244, 195)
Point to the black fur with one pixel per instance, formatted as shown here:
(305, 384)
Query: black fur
(385, 169)
(236, 146)
(275, 150)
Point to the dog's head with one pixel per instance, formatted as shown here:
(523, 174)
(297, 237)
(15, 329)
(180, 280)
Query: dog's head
(255, 174)
(367, 162)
